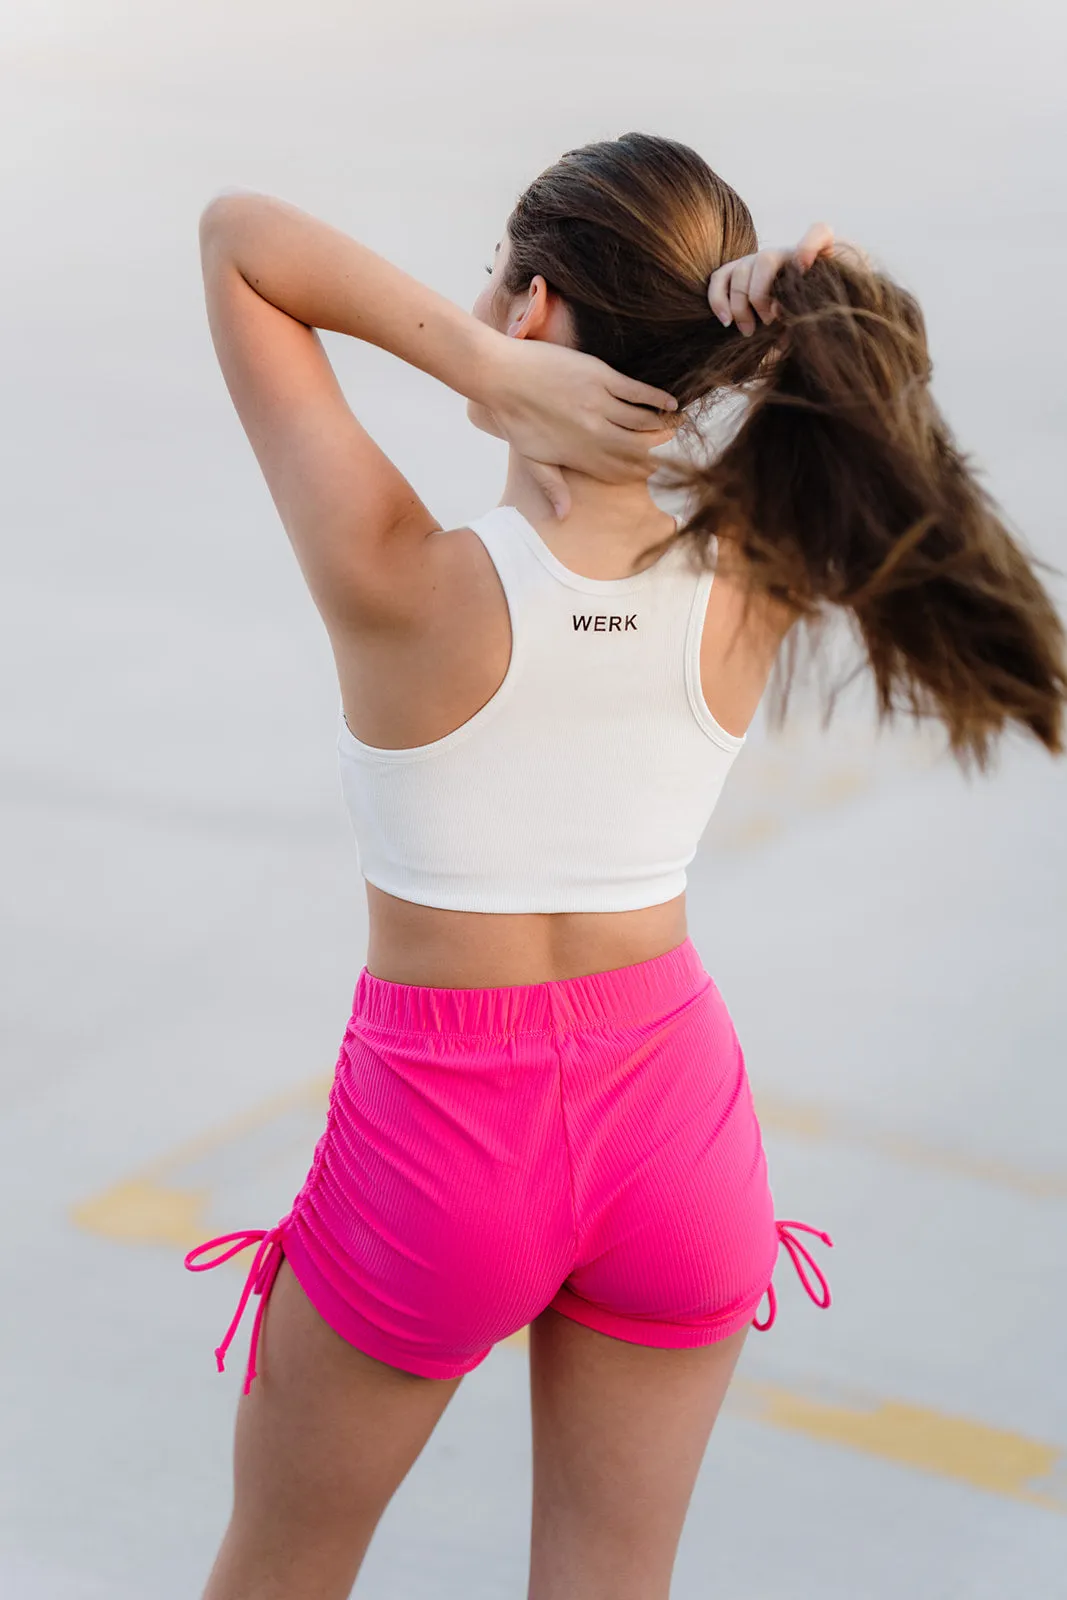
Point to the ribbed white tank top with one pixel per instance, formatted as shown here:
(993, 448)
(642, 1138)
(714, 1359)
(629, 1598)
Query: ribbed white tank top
(585, 783)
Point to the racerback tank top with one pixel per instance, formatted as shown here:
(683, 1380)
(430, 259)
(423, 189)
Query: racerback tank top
(587, 780)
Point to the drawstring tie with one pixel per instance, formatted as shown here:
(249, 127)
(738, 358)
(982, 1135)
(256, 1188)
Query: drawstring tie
(799, 1254)
(268, 1258)
(261, 1274)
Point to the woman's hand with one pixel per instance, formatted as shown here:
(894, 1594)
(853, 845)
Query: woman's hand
(741, 290)
(562, 408)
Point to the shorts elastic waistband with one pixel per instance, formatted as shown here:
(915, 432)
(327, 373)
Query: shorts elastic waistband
(633, 994)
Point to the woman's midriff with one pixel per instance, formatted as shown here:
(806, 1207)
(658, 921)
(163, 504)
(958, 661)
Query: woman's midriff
(438, 949)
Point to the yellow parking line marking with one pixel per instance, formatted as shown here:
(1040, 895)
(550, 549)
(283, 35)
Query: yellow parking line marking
(309, 1093)
(756, 829)
(805, 1120)
(145, 1212)
(839, 785)
(992, 1459)
(153, 1205)
(797, 771)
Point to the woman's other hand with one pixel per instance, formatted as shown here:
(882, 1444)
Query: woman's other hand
(740, 291)
(561, 408)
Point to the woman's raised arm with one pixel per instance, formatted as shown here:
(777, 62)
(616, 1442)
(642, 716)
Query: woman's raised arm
(273, 275)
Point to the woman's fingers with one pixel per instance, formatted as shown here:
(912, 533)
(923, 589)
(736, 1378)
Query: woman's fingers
(740, 306)
(625, 454)
(633, 444)
(639, 394)
(634, 419)
(638, 419)
(765, 268)
(740, 291)
(719, 292)
(553, 486)
(819, 240)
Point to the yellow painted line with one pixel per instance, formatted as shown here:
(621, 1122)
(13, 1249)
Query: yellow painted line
(144, 1212)
(805, 769)
(155, 1205)
(312, 1092)
(994, 1460)
(839, 785)
(805, 1120)
(756, 829)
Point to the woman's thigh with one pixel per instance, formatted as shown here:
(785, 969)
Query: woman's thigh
(619, 1432)
(324, 1439)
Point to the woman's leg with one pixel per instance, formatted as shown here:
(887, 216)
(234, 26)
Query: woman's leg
(324, 1439)
(619, 1432)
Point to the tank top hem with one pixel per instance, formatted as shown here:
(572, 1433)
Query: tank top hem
(502, 899)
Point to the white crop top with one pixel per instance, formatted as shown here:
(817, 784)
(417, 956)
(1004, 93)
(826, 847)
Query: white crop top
(587, 780)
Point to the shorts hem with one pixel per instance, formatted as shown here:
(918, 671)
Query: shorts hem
(647, 1331)
(357, 1331)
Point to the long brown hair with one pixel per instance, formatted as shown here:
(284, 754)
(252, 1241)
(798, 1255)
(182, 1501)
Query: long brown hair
(842, 486)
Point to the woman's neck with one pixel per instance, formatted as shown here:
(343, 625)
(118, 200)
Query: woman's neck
(609, 526)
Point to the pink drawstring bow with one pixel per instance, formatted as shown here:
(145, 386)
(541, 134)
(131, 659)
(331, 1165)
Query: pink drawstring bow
(799, 1254)
(261, 1274)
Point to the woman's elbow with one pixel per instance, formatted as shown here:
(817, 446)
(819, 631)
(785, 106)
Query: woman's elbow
(221, 214)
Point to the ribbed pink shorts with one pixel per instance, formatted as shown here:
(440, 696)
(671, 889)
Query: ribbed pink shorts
(588, 1144)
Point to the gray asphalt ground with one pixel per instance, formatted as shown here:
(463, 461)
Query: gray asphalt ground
(183, 920)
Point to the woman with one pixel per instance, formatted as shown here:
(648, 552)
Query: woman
(540, 1114)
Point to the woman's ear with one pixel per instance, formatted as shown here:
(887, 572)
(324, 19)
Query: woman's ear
(529, 320)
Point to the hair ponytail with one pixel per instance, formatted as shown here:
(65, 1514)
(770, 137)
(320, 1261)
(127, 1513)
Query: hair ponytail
(843, 487)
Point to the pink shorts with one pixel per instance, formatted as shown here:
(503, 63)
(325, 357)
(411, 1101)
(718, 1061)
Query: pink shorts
(588, 1144)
